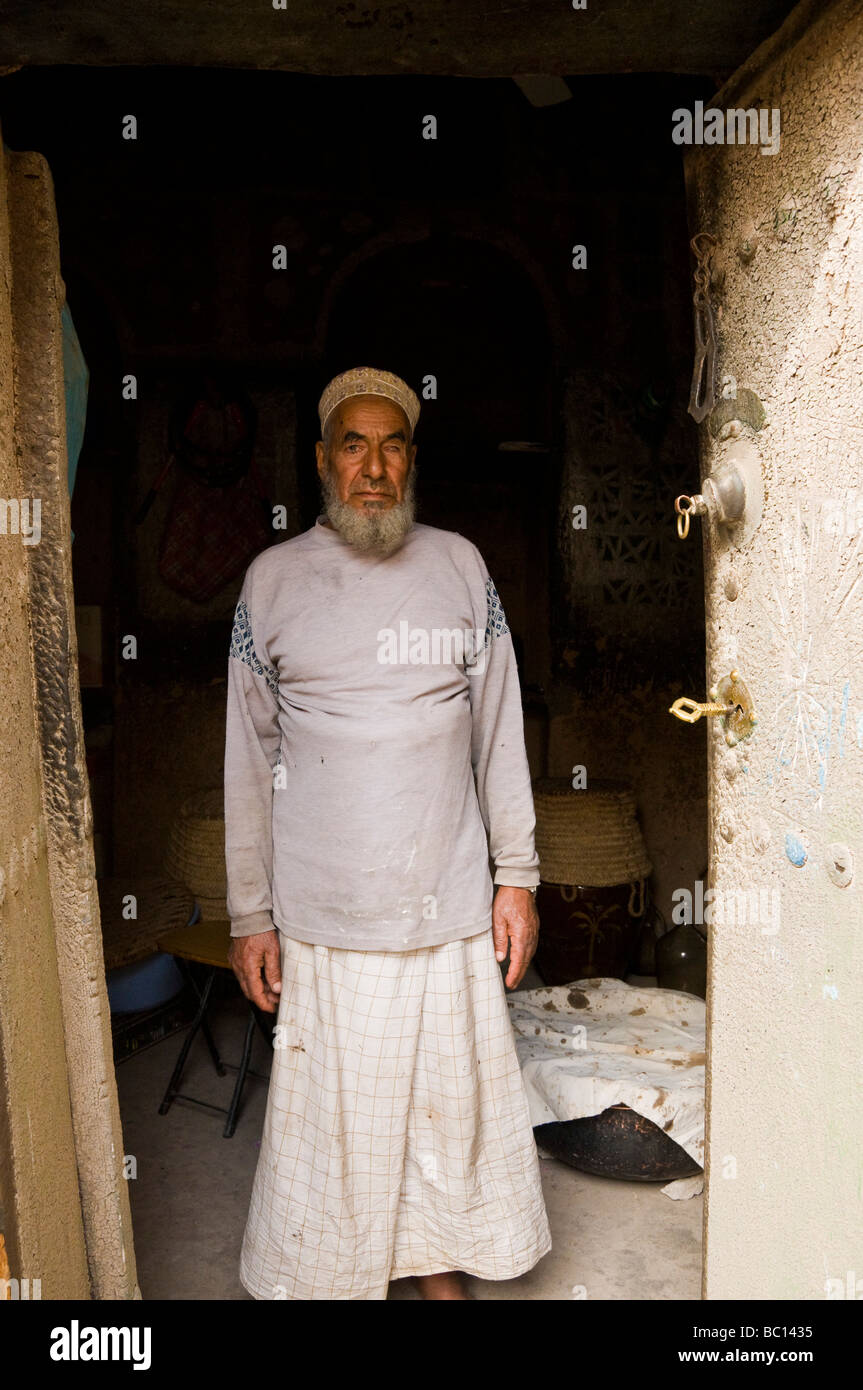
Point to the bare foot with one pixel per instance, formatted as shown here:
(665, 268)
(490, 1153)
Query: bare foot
(448, 1285)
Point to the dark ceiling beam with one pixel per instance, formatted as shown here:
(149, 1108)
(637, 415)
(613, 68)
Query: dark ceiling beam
(457, 37)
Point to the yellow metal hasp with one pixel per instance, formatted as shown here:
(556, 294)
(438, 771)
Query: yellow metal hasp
(690, 710)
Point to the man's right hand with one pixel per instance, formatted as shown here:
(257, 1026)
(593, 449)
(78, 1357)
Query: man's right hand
(256, 962)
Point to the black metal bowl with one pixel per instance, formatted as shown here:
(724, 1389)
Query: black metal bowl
(619, 1143)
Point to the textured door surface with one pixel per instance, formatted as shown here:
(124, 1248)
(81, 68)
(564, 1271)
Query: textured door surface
(784, 595)
(66, 1204)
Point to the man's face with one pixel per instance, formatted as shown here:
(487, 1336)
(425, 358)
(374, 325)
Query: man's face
(366, 467)
(369, 455)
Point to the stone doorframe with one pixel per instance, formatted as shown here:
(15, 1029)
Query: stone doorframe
(66, 1214)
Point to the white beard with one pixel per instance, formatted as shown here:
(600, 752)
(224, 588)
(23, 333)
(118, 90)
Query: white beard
(377, 532)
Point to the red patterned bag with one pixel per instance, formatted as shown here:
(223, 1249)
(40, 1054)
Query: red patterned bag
(212, 534)
(219, 517)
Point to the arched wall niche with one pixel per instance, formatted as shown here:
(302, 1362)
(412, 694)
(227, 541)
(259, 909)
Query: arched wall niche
(466, 306)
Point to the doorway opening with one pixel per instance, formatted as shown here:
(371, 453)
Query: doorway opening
(275, 250)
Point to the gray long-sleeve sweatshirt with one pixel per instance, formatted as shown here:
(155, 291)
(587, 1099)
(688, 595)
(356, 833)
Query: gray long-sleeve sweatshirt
(375, 770)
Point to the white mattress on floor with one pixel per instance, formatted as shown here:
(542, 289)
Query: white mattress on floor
(595, 1043)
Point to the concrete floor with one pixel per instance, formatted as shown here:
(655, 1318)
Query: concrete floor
(614, 1240)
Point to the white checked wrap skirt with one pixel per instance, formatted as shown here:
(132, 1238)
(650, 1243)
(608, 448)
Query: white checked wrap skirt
(397, 1137)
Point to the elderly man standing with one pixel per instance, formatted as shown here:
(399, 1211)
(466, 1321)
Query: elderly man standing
(381, 863)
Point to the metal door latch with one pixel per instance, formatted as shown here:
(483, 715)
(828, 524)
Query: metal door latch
(729, 700)
(724, 496)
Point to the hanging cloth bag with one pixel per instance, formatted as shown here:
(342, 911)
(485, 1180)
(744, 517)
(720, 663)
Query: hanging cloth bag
(220, 517)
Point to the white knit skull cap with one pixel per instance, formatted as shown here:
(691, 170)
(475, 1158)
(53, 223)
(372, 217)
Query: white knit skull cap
(368, 381)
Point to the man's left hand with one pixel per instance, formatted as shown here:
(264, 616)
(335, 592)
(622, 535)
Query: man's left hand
(515, 924)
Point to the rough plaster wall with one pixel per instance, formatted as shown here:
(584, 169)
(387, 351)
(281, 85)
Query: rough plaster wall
(38, 1179)
(785, 1041)
(102, 1198)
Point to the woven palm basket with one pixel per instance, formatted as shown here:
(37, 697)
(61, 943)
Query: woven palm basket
(196, 851)
(590, 838)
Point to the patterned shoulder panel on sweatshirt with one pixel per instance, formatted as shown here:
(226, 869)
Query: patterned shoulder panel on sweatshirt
(495, 623)
(243, 648)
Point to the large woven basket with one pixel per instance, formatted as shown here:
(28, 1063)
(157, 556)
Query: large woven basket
(590, 837)
(196, 851)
